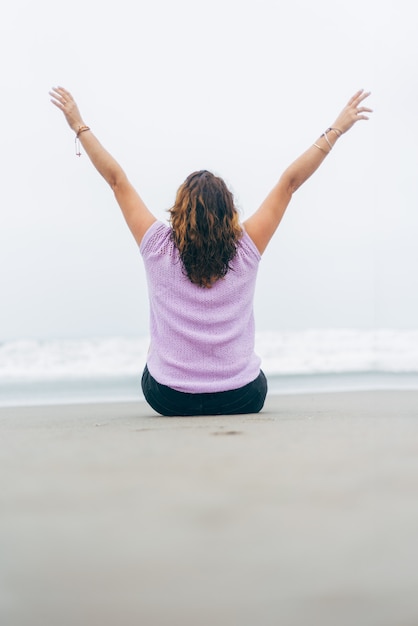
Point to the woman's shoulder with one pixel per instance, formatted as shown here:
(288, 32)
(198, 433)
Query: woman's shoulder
(156, 235)
(248, 246)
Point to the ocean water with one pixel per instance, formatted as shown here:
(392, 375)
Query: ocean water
(90, 370)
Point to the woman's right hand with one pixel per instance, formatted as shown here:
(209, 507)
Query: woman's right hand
(352, 112)
(64, 101)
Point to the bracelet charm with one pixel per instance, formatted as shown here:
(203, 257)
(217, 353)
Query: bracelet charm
(81, 129)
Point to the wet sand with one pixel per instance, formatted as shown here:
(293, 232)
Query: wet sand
(305, 514)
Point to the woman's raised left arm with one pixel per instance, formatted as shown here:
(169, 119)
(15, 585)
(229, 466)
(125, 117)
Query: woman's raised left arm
(134, 210)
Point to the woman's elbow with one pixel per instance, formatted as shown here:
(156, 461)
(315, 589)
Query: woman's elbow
(289, 183)
(117, 180)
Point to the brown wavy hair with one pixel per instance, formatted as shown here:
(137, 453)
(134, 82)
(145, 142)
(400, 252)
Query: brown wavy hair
(205, 227)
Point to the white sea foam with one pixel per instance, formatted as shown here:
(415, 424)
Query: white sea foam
(282, 353)
(339, 351)
(69, 359)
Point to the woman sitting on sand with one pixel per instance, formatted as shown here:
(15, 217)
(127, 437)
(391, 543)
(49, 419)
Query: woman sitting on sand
(201, 273)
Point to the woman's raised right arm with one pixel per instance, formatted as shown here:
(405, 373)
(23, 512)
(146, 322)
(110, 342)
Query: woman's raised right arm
(135, 212)
(262, 225)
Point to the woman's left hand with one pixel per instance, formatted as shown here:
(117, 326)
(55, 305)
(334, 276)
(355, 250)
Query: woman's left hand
(64, 101)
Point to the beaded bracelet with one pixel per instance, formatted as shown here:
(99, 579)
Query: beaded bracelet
(81, 129)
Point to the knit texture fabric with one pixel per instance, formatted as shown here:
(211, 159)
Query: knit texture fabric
(202, 340)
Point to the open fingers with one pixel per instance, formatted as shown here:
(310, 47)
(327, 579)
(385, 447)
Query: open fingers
(60, 95)
(64, 101)
(364, 110)
(353, 98)
(362, 97)
(359, 113)
(56, 103)
(57, 100)
(63, 92)
(358, 97)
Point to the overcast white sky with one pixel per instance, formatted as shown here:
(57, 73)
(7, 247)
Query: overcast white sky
(239, 87)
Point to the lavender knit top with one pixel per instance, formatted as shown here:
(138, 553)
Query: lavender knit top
(202, 340)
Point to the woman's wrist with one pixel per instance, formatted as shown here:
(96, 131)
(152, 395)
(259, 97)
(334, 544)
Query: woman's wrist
(81, 129)
(77, 125)
(328, 139)
(335, 130)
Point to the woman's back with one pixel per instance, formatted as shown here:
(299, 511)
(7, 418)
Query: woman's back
(202, 339)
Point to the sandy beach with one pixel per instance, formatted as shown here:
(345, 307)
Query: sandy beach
(305, 514)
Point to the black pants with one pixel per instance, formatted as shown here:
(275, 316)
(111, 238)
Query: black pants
(167, 401)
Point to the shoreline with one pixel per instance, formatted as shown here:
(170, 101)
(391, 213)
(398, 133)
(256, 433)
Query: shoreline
(374, 400)
(62, 391)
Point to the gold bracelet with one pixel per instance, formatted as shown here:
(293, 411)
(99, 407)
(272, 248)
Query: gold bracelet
(324, 135)
(337, 131)
(323, 149)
